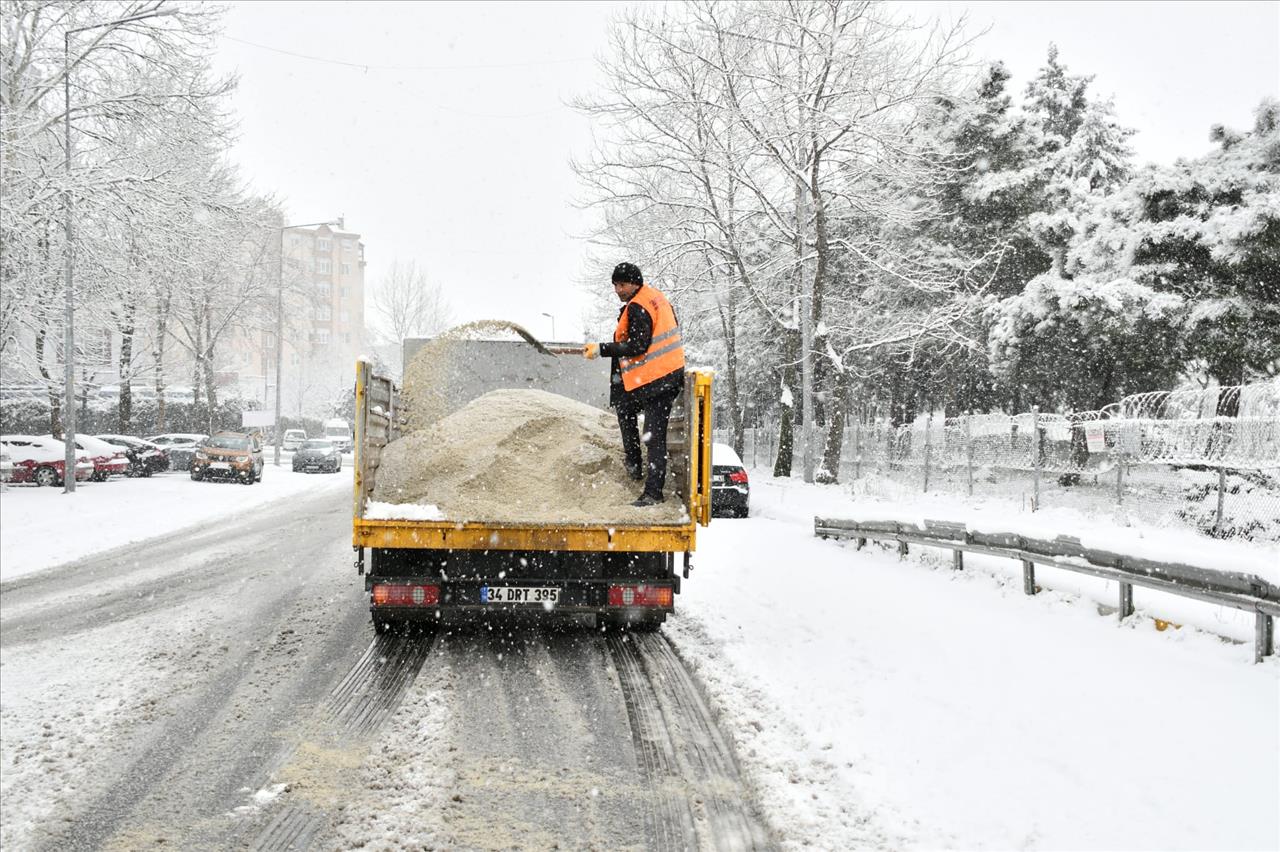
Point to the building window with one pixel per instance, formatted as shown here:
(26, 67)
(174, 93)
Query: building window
(324, 289)
(324, 313)
(342, 291)
(348, 245)
(344, 316)
(323, 266)
(346, 269)
(346, 337)
(295, 240)
(322, 244)
(320, 336)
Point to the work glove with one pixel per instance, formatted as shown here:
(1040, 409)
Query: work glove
(591, 350)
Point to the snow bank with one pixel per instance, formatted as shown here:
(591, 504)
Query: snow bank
(43, 527)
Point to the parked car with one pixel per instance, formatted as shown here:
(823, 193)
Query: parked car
(180, 446)
(318, 455)
(145, 458)
(6, 465)
(42, 460)
(229, 455)
(108, 459)
(730, 488)
(180, 395)
(293, 438)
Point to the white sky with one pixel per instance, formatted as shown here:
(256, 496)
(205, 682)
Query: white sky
(458, 156)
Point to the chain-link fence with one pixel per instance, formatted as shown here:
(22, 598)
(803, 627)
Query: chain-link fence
(1204, 458)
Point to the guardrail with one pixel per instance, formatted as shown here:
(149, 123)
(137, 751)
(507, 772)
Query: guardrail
(1241, 591)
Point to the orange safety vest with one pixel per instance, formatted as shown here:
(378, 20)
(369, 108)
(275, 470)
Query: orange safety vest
(665, 354)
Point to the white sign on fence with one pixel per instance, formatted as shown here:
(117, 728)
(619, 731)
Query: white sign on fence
(257, 418)
(1096, 437)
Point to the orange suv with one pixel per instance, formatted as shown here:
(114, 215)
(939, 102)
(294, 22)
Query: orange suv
(229, 455)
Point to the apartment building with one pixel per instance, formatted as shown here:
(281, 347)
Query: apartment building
(323, 296)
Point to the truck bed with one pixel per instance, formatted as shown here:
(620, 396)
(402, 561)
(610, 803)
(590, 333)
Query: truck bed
(379, 419)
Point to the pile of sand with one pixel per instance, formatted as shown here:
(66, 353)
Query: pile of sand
(519, 456)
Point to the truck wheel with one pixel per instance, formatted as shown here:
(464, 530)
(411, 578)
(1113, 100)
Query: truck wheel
(196, 476)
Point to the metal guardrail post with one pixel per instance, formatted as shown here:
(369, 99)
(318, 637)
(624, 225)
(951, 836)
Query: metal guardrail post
(957, 559)
(902, 548)
(1126, 600)
(1028, 577)
(1263, 636)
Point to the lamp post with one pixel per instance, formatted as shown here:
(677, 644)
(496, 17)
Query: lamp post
(280, 327)
(553, 324)
(68, 259)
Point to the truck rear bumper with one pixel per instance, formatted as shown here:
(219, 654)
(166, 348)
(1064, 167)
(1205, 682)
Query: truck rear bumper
(574, 597)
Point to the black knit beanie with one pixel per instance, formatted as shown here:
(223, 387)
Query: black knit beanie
(628, 272)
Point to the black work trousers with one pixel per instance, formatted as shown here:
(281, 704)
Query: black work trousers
(657, 411)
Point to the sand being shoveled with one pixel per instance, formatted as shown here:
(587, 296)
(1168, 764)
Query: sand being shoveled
(520, 456)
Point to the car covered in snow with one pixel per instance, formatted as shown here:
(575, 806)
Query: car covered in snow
(145, 458)
(293, 439)
(43, 460)
(180, 446)
(317, 454)
(229, 455)
(730, 487)
(108, 459)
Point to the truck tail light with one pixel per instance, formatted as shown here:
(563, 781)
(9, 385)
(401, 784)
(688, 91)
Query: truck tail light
(739, 476)
(639, 596)
(385, 594)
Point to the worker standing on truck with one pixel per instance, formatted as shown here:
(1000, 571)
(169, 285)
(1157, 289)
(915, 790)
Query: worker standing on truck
(647, 375)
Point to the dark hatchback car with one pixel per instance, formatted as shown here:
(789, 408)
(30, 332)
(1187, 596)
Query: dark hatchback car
(730, 490)
(317, 454)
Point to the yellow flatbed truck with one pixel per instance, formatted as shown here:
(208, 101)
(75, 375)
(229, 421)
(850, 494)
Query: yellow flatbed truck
(623, 574)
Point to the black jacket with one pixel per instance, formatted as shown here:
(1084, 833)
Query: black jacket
(639, 336)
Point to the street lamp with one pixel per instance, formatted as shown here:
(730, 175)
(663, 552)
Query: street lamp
(68, 260)
(553, 324)
(280, 326)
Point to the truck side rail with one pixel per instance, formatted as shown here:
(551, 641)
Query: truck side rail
(1247, 592)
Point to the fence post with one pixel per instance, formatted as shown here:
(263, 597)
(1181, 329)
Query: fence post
(1222, 490)
(1126, 600)
(1035, 455)
(928, 423)
(857, 448)
(1028, 577)
(1263, 637)
(968, 452)
(1119, 479)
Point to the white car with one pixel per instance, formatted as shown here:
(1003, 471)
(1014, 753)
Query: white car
(293, 439)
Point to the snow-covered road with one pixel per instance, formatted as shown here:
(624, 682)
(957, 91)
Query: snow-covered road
(873, 702)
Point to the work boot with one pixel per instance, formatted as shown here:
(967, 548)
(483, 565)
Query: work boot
(647, 500)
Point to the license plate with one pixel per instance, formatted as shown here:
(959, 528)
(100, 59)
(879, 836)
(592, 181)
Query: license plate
(220, 465)
(519, 594)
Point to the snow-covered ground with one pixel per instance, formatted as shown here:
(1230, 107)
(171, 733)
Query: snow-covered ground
(894, 702)
(875, 702)
(43, 527)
